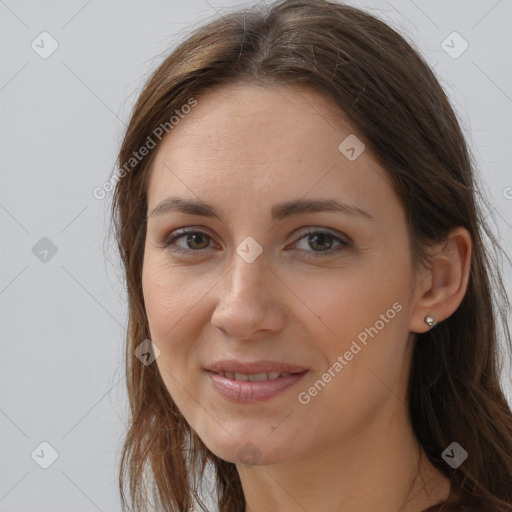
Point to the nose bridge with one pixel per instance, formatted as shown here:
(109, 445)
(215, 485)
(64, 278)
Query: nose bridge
(246, 302)
(249, 260)
(247, 280)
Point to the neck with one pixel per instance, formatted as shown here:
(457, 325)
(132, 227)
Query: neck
(381, 467)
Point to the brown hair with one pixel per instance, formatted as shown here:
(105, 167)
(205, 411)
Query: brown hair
(392, 97)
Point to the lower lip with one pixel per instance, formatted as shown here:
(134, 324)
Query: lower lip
(252, 390)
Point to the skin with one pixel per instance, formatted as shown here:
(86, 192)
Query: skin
(243, 149)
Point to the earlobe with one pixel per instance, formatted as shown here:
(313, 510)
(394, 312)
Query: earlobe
(430, 321)
(446, 282)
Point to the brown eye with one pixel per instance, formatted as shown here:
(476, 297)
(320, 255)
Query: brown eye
(192, 241)
(321, 243)
(196, 240)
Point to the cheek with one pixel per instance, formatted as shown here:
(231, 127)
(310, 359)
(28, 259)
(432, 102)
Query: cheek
(168, 296)
(169, 301)
(343, 304)
(169, 309)
(361, 316)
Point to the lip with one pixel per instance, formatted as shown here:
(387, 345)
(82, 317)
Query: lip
(252, 391)
(234, 366)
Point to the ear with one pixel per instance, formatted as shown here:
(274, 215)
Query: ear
(441, 287)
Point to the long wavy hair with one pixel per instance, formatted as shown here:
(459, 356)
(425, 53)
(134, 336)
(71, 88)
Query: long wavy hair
(388, 92)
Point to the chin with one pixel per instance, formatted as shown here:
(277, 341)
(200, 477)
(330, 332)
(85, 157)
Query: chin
(253, 451)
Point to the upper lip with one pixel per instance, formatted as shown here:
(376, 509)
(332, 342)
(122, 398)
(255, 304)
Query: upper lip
(249, 368)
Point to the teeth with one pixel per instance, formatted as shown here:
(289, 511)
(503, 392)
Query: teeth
(254, 376)
(258, 376)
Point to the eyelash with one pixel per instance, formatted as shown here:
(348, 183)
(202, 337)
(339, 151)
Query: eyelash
(344, 243)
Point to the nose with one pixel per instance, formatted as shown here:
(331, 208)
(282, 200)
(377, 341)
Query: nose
(248, 301)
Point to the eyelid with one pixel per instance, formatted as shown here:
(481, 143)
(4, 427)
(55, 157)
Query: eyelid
(181, 232)
(344, 240)
(313, 230)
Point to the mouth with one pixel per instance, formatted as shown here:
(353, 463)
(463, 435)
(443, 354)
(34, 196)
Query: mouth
(252, 387)
(272, 369)
(255, 376)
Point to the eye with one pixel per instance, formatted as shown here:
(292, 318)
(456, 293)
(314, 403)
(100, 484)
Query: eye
(322, 243)
(194, 241)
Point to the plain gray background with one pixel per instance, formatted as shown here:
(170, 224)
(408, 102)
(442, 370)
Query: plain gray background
(63, 311)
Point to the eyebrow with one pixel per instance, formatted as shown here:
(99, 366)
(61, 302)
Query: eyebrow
(278, 212)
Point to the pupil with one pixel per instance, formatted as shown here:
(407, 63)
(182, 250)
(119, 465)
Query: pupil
(324, 236)
(194, 236)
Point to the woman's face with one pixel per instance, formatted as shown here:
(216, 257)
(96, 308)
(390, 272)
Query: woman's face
(270, 273)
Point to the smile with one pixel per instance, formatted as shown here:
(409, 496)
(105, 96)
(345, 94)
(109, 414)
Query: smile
(239, 387)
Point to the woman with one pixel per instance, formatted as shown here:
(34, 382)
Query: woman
(311, 303)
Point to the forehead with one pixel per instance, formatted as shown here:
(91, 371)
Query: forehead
(248, 121)
(257, 142)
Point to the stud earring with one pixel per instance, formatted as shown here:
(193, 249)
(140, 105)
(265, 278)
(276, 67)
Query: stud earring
(429, 320)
